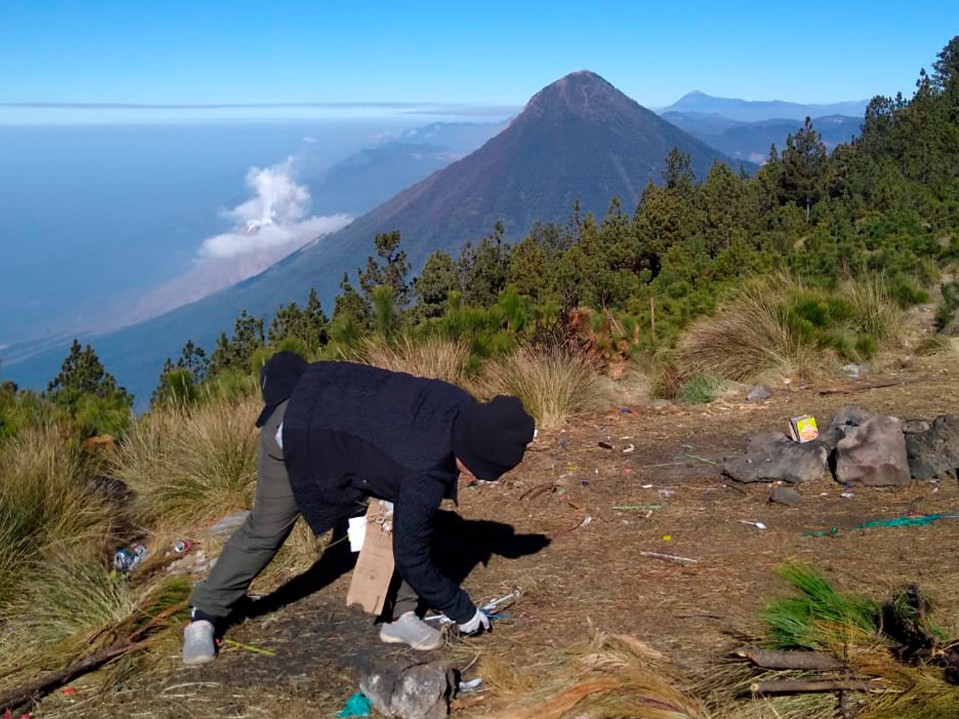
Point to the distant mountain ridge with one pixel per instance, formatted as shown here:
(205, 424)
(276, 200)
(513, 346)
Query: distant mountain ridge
(578, 139)
(373, 175)
(751, 141)
(757, 110)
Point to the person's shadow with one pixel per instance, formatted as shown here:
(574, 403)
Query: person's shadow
(461, 544)
(458, 546)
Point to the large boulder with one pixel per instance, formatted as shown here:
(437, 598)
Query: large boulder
(874, 454)
(774, 456)
(934, 450)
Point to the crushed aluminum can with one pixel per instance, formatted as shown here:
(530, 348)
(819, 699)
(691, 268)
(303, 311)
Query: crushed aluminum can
(182, 546)
(126, 559)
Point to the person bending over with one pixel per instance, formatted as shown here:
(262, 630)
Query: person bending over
(333, 434)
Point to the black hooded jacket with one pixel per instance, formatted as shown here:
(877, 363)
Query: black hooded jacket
(353, 431)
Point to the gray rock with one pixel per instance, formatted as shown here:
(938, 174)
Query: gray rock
(845, 422)
(423, 691)
(851, 415)
(764, 440)
(785, 495)
(874, 454)
(934, 451)
(377, 686)
(915, 426)
(773, 456)
(758, 393)
(229, 523)
(420, 691)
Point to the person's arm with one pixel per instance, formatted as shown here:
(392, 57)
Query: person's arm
(413, 513)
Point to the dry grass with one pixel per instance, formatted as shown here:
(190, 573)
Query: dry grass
(433, 357)
(757, 334)
(609, 677)
(845, 627)
(746, 339)
(61, 612)
(191, 466)
(553, 386)
(936, 345)
(74, 605)
(635, 386)
(45, 503)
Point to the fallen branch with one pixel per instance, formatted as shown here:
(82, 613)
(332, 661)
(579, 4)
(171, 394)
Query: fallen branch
(669, 557)
(562, 532)
(705, 460)
(778, 659)
(812, 686)
(34, 691)
(538, 490)
(876, 385)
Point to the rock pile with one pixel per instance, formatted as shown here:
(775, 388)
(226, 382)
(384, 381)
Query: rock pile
(858, 448)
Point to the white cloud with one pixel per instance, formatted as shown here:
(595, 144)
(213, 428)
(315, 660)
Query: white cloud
(270, 225)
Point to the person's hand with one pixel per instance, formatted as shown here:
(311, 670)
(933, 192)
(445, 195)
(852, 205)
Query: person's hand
(479, 623)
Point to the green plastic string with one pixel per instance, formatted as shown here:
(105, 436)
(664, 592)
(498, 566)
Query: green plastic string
(903, 521)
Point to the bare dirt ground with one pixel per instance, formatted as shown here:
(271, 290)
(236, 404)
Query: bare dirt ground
(600, 507)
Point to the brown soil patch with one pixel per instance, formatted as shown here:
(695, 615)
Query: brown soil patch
(592, 575)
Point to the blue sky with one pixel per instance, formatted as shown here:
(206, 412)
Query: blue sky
(491, 53)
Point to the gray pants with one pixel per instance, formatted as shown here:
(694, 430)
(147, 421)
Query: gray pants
(260, 537)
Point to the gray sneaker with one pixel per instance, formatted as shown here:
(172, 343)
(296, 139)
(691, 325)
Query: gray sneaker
(410, 629)
(198, 644)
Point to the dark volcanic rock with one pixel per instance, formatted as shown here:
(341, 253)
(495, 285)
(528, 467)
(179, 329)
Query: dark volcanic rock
(774, 456)
(934, 451)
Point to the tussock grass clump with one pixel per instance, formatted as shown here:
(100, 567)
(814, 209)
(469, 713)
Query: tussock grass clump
(875, 312)
(74, 606)
(777, 325)
(935, 346)
(553, 385)
(46, 501)
(947, 314)
(701, 389)
(819, 616)
(70, 599)
(433, 357)
(189, 466)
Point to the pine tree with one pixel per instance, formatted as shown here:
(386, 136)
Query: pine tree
(390, 267)
(431, 289)
(804, 167)
(82, 373)
(235, 353)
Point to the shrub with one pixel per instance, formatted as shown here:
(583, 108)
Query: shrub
(946, 319)
(22, 409)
